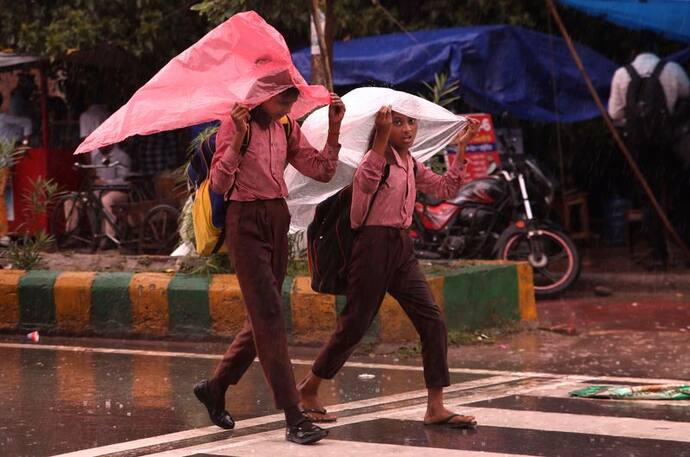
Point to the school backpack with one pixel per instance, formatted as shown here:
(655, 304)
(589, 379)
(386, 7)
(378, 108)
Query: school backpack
(646, 114)
(681, 132)
(330, 237)
(209, 207)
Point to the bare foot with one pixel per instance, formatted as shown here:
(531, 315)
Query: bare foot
(309, 401)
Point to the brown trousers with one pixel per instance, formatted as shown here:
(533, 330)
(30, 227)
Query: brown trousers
(383, 261)
(256, 235)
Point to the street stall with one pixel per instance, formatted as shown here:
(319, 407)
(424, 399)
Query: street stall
(668, 19)
(40, 160)
(487, 63)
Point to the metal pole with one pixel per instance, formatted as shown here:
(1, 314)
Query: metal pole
(559, 142)
(44, 106)
(619, 141)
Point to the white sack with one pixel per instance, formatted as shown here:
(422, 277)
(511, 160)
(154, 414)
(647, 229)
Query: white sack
(436, 128)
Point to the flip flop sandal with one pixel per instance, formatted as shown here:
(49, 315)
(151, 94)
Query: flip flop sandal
(448, 422)
(324, 417)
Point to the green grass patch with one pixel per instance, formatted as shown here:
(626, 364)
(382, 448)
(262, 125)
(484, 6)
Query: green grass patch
(298, 267)
(465, 338)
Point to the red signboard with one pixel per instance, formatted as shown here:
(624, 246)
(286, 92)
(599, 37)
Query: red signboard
(482, 150)
(38, 162)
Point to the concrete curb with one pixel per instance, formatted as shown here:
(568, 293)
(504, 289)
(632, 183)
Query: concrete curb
(179, 305)
(634, 281)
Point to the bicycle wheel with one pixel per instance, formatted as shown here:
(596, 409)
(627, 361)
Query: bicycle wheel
(561, 268)
(70, 225)
(159, 230)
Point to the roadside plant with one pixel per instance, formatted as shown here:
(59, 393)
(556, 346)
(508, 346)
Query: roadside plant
(41, 194)
(440, 92)
(9, 153)
(25, 253)
(297, 254)
(444, 94)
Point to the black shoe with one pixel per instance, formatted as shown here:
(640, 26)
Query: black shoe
(216, 410)
(305, 432)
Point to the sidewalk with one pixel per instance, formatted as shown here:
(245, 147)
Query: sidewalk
(613, 268)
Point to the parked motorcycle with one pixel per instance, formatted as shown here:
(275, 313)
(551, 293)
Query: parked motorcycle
(504, 216)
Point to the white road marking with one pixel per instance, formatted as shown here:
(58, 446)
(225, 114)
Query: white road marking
(207, 431)
(627, 427)
(335, 448)
(273, 442)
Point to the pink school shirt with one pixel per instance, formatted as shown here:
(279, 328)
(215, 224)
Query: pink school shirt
(395, 200)
(258, 174)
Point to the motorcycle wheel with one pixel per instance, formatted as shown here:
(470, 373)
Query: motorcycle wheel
(562, 260)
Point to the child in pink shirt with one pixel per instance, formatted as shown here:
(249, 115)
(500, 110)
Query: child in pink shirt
(257, 222)
(383, 260)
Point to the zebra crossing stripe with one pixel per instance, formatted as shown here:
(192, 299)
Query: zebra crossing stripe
(276, 420)
(503, 432)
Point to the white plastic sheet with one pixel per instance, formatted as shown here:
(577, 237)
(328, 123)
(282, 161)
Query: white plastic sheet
(436, 128)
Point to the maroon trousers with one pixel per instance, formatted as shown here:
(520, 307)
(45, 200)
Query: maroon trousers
(383, 261)
(256, 235)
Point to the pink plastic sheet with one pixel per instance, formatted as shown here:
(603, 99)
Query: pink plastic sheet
(242, 60)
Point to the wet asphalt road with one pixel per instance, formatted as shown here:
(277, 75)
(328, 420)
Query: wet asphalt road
(55, 401)
(68, 394)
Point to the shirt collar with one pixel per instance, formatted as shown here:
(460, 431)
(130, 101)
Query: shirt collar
(398, 159)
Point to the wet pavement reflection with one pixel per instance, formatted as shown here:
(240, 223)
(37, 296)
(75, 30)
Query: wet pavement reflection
(61, 401)
(505, 440)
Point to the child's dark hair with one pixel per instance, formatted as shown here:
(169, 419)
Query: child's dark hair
(258, 114)
(291, 92)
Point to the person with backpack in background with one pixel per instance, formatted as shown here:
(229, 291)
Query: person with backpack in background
(643, 97)
(252, 150)
(382, 260)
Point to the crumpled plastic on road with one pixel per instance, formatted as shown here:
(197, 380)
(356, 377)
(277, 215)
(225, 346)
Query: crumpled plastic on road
(436, 128)
(651, 392)
(242, 60)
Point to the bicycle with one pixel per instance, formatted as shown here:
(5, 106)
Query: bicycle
(142, 224)
(77, 218)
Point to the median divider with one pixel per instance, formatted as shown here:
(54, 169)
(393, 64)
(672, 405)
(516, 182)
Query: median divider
(156, 305)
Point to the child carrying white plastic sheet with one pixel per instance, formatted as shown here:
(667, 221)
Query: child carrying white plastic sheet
(382, 258)
(436, 128)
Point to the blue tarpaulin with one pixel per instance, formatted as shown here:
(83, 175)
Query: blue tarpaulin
(499, 67)
(670, 18)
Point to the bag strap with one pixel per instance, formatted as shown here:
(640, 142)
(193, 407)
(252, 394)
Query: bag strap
(384, 177)
(221, 235)
(220, 241)
(658, 69)
(243, 150)
(634, 75)
(247, 138)
(285, 122)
